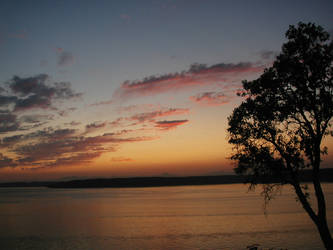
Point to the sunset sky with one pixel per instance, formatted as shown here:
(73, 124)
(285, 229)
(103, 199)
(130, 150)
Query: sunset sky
(132, 88)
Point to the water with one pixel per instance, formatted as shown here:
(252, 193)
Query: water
(192, 217)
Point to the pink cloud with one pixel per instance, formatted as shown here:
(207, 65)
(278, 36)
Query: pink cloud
(74, 159)
(211, 98)
(150, 116)
(118, 122)
(197, 75)
(166, 125)
(138, 107)
(51, 148)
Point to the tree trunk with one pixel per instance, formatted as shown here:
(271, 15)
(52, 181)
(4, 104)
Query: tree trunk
(325, 234)
(319, 220)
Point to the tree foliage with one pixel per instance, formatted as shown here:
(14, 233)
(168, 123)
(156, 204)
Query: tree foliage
(279, 127)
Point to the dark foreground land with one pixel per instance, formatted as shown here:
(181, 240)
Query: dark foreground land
(326, 175)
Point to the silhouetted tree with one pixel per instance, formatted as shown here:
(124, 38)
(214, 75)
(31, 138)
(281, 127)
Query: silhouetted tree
(278, 129)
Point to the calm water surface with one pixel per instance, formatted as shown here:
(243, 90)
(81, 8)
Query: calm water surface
(192, 217)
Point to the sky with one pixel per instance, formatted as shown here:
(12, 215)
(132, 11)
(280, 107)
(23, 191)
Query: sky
(132, 88)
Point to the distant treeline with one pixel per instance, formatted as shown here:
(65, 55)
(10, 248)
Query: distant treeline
(326, 175)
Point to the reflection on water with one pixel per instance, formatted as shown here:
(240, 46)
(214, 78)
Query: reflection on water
(193, 217)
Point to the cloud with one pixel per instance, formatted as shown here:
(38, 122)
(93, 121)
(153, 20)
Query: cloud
(102, 103)
(196, 75)
(121, 159)
(73, 123)
(117, 122)
(79, 158)
(138, 107)
(6, 100)
(57, 134)
(47, 134)
(33, 101)
(59, 147)
(95, 126)
(31, 121)
(112, 138)
(211, 98)
(32, 148)
(145, 117)
(65, 112)
(35, 118)
(150, 116)
(36, 92)
(6, 161)
(9, 141)
(21, 96)
(28, 85)
(8, 123)
(166, 125)
(65, 58)
(26, 144)
(7, 117)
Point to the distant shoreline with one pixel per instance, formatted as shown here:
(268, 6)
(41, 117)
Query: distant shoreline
(325, 174)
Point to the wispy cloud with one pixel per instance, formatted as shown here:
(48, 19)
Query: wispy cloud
(196, 75)
(73, 123)
(95, 126)
(8, 123)
(150, 116)
(6, 161)
(211, 98)
(118, 122)
(35, 118)
(121, 159)
(51, 148)
(166, 125)
(147, 117)
(108, 102)
(138, 108)
(28, 143)
(65, 112)
(80, 158)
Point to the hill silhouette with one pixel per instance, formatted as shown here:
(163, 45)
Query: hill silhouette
(325, 174)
